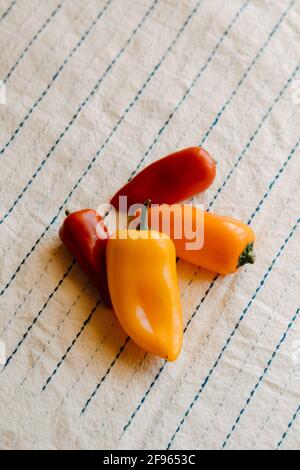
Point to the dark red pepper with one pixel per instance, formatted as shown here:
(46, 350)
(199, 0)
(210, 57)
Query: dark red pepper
(171, 179)
(86, 236)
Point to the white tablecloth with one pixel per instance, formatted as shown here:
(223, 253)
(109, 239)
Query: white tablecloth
(94, 89)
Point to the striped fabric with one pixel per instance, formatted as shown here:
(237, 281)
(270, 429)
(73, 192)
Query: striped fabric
(91, 92)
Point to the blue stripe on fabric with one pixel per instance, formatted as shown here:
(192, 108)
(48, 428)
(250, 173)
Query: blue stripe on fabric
(104, 376)
(265, 371)
(197, 77)
(189, 89)
(20, 305)
(85, 323)
(37, 316)
(54, 78)
(253, 136)
(41, 29)
(284, 435)
(60, 324)
(254, 344)
(241, 81)
(8, 10)
(107, 140)
(257, 290)
(80, 108)
(274, 180)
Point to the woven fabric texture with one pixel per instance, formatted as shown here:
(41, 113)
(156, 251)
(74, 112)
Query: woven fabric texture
(91, 91)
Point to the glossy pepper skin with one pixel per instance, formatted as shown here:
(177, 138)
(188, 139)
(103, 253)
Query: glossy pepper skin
(228, 243)
(144, 290)
(80, 231)
(171, 179)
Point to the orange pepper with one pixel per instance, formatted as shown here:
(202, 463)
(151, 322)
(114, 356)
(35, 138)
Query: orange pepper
(227, 243)
(142, 280)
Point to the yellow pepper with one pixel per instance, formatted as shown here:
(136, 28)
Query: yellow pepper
(142, 280)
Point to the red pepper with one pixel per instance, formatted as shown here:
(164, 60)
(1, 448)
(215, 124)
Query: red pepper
(86, 235)
(171, 179)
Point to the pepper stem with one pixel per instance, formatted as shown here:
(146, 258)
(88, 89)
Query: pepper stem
(144, 215)
(247, 256)
(67, 212)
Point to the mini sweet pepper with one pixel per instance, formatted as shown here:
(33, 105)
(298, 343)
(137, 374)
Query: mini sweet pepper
(86, 236)
(171, 179)
(227, 243)
(142, 280)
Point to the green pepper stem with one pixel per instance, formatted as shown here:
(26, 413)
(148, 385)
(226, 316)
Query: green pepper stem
(144, 215)
(247, 256)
